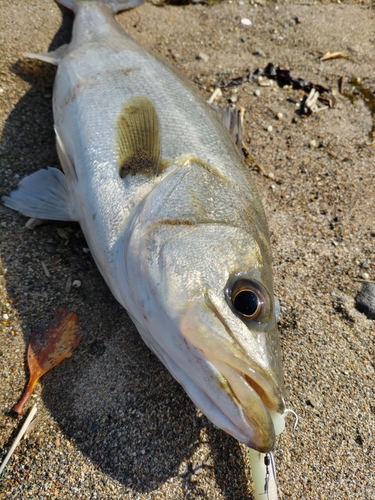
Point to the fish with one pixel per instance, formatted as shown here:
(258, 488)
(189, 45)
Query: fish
(172, 218)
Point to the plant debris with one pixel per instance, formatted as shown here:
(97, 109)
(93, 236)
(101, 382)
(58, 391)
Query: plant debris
(48, 347)
(26, 425)
(284, 78)
(333, 55)
(311, 103)
(251, 161)
(366, 94)
(281, 76)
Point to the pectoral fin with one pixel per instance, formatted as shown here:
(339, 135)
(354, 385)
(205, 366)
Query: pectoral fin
(138, 137)
(64, 157)
(44, 194)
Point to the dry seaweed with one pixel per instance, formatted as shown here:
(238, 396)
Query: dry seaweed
(282, 76)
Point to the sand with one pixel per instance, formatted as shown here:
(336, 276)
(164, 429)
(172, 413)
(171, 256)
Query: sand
(112, 423)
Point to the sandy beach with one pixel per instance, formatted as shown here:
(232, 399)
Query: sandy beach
(112, 423)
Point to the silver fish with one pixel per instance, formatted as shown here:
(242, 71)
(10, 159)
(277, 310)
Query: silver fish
(172, 218)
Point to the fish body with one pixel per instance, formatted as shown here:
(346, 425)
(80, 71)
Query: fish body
(171, 216)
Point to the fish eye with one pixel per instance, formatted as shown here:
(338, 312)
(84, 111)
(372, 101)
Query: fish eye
(246, 302)
(249, 299)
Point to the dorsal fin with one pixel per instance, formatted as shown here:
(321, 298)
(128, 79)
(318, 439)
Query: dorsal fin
(138, 137)
(231, 118)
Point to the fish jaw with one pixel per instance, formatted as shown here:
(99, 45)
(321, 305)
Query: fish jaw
(230, 371)
(219, 405)
(255, 392)
(225, 385)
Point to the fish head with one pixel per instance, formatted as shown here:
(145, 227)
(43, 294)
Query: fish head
(202, 299)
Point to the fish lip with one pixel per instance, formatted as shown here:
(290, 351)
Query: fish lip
(265, 396)
(264, 435)
(237, 425)
(266, 390)
(256, 395)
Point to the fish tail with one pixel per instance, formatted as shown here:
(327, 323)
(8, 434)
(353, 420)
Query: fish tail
(55, 56)
(116, 5)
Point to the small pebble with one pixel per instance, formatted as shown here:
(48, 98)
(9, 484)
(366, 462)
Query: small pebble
(196, 465)
(5, 316)
(259, 52)
(51, 249)
(365, 300)
(245, 21)
(279, 116)
(76, 283)
(365, 276)
(63, 233)
(269, 128)
(265, 82)
(202, 57)
(313, 143)
(312, 402)
(257, 92)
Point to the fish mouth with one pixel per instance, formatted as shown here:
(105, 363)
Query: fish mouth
(258, 400)
(254, 392)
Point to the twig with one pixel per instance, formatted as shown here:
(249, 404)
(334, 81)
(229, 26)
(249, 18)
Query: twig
(216, 93)
(18, 438)
(45, 269)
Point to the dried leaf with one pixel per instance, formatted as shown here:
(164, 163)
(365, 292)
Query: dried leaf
(333, 55)
(49, 347)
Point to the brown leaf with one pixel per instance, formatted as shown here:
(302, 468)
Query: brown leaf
(47, 348)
